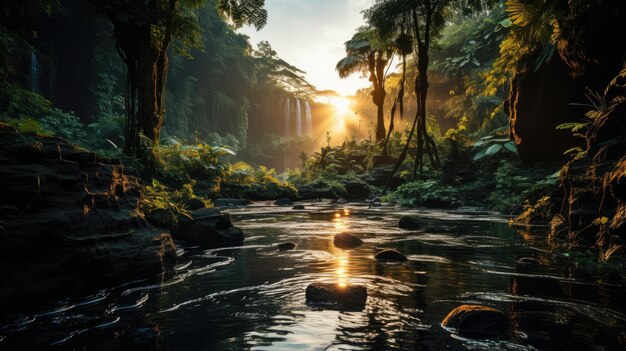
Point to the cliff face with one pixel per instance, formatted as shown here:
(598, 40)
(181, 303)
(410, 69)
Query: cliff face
(68, 218)
(589, 53)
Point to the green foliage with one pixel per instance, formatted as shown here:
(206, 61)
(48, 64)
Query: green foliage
(65, 125)
(430, 193)
(27, 125)
(242, 180)
(180, 164)
(494, 144)
(165, 207)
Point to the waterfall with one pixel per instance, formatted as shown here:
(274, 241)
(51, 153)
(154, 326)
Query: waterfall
(287, 117)
(309, 120)
(34, 72)
(298, 118)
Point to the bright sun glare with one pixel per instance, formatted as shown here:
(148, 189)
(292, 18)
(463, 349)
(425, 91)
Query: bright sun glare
(341, 106)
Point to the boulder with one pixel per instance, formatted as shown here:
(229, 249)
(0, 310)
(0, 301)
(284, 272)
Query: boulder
(346, 241)
(314, 192)
(283, 202)
(475, 321)
(356, 190)
(230, 202)
(390, 255)
(195, 203)
(411, 223)
(298, 207)
(376, 202)
(333, 295)
(286, 246)
(209, 226)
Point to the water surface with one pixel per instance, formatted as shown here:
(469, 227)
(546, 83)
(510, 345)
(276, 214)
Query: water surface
(252, 296)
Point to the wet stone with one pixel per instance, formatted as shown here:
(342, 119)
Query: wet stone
(411, 223)
(346, 241)
(286, 246)
(283, 202)
(478, 322)
(390, 255)
(298, 207)
(195, 204)
(336, 296)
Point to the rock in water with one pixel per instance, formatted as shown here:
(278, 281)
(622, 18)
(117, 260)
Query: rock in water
(390, 255)
(209, 226)
(333, 295)
(411, 223)
(346, 241)
(286, 246)
(474, 321)
(376, 202)
(298, 207)
(283, 202)
(230, 202)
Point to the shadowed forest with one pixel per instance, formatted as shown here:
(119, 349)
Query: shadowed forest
(197, 174)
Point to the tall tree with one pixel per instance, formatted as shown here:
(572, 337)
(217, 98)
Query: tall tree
(371, 53)
(424, 20)
(144, 32)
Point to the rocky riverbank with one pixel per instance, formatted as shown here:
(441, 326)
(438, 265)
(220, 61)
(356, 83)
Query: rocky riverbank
(69, 219)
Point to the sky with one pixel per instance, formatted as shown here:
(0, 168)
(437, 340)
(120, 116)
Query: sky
(309, 34)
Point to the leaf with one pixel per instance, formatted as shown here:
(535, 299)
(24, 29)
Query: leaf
(511, 147)
(480, 155)
(506, 23)
(494, 149)
(600, 220)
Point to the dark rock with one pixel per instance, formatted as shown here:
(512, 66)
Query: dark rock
(390, 255)
(298, 207)
(376, 202)
(340, 201)
(375, 218)
(286, 246)
(474, 321)
(529, 262)
(346, 241)
(163, 218)
(78, 224)
(333, 295)
(230, 202)
(378, 176)
(356, 190)
(209, 226)
(411, 223)
(313, 192)
(283, 202)
(195, 203)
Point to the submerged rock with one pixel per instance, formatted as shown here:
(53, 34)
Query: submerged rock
(346, 241)
(286, 246)
(333, 295)
(390, 255)
(283, 202)
(298, 207)
(475, 321)
(411, 223)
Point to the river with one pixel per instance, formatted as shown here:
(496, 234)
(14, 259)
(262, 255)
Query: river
(253, 296)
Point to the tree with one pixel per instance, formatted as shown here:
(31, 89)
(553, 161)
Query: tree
(423, 20)
(144, 31)
(369, 52)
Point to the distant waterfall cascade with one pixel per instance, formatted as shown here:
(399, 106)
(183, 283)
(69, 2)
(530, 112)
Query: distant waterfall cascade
(309, 118)
(287, 117)
(298, 118)
(34, 72)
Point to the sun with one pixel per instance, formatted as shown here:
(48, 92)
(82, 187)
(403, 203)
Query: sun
(341, 105)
